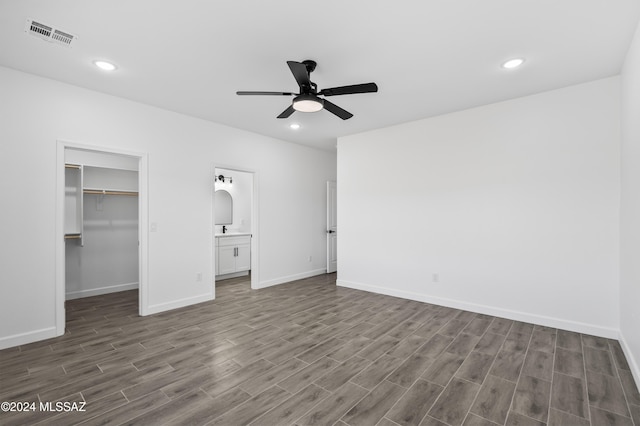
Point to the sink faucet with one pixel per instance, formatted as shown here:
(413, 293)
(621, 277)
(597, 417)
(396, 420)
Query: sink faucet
(224, 229)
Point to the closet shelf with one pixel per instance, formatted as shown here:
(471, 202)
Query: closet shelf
(109, 192)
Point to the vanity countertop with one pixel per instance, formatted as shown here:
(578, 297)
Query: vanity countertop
(233, 234)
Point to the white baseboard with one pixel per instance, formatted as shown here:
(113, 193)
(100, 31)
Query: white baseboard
(289, 278)
(175, 304)
(631, 360)
(70, 295)
(579, 327)
(29, 337)
(232, 275)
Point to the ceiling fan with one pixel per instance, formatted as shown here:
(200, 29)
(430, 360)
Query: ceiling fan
(309, 100)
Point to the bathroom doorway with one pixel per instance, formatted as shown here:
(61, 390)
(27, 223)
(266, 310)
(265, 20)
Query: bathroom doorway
(235, 227)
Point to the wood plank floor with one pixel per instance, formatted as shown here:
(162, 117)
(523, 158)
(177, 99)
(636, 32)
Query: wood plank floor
(311, 353)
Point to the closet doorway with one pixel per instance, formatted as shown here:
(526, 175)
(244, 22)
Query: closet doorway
(102, 197)
(235, 226)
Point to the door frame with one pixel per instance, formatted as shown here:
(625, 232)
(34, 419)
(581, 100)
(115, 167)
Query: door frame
(332, 231)
(143, 227)
(255, 223)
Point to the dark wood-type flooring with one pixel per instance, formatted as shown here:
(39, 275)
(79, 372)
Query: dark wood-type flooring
(311, 353)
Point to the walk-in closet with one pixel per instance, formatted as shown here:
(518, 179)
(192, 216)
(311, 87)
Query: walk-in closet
(101, 223)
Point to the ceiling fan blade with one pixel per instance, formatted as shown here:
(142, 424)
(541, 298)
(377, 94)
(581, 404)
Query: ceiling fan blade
(287, 112)
(335, 109)
(350, 90)
(300, 73)
(241, 93)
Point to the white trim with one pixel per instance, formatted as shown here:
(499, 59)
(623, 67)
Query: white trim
(70, 295)
(181, 303)
(59, 242)
(28, 337)
(255, 236)
(143, 234)
(143, 226)
(255, 225)
(579, 327)
(232, 275)
(290, 278)
(635, 369)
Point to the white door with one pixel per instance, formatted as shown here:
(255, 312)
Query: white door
(332, 228)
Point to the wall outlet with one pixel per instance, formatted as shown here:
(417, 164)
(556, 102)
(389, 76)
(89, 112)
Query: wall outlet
(435, 278)
(199, 276)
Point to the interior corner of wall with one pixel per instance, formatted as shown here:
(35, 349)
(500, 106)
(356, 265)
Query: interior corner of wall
(632, 359)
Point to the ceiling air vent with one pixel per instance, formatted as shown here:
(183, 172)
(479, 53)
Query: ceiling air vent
(61, 37)
(49, 33)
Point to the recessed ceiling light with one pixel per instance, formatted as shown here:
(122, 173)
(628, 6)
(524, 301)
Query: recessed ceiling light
(294, 126)
(513, 63)
(104, 65)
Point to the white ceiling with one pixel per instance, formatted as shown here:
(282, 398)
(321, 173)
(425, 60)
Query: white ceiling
(427, 57)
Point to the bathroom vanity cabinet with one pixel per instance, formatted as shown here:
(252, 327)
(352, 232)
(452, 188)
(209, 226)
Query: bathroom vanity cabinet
(233, 254)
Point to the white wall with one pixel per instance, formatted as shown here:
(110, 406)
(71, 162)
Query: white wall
(182, 151)
(107, 261)
(630, 211)
(514, 205)
(241, 191)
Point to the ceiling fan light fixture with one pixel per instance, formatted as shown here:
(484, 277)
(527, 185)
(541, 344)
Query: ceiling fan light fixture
(307, 103)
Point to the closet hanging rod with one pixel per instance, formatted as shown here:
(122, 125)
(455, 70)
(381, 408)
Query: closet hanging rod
(71, 166)
(110, 192)
(72, 236)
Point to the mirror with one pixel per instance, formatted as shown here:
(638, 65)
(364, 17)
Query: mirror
(223, 207)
